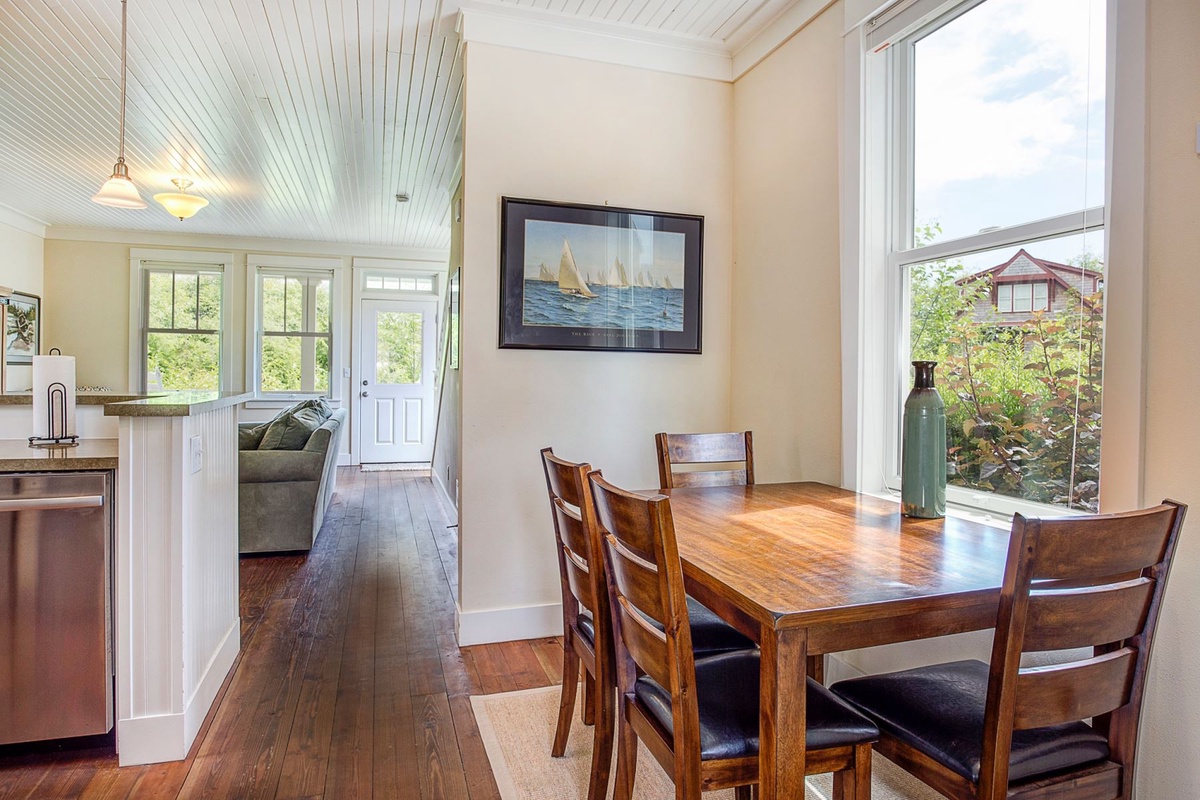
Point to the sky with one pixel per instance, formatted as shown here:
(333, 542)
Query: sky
(1010, 118)
(595, 248)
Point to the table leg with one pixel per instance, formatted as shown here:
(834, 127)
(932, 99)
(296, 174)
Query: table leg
(782, 714)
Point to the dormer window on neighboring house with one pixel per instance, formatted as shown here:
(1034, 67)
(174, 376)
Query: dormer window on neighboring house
(1017, 297)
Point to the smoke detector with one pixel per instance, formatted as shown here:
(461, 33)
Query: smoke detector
(402, 197)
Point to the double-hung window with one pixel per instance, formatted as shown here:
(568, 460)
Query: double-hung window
(995, 241)
(295, 331)
(179, 308)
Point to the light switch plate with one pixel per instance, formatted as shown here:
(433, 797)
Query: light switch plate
(197, 454)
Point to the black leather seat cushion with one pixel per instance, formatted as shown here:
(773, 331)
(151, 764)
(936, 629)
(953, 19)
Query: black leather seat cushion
(939, 711)
(727, 696)
(710, 634)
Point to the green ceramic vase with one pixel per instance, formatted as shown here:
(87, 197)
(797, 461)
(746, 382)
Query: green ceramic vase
(923, 473)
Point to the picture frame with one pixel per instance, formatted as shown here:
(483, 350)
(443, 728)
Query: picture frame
(23, 328)
(585, 277)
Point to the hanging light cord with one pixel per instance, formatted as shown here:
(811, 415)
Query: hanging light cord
(124, 71)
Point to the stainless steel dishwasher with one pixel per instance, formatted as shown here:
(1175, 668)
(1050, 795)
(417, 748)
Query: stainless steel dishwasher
(56, 677)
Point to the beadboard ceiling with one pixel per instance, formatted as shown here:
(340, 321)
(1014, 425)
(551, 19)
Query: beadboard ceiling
(297, 119)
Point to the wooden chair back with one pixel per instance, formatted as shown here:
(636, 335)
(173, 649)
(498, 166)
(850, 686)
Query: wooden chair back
(704, 448)
(1076, 582)
(645, 581)
(583, 585)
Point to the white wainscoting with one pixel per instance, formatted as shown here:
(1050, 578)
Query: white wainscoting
(177, 625)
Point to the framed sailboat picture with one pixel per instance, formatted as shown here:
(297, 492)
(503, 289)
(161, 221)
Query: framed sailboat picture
(578, 277)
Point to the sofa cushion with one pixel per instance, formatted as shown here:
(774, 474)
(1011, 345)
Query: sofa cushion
(292, 429)
(251, 436)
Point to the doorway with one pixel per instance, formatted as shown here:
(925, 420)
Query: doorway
(396, 395)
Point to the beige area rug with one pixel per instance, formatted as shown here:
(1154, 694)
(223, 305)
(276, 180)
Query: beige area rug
(405, 467)
(517, 729)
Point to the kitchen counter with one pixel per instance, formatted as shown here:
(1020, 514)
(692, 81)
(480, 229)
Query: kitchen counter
(176, 404)
(17, 456)
(81, 398)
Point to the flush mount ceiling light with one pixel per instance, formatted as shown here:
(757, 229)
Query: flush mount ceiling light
(118, 191)
(181, 204)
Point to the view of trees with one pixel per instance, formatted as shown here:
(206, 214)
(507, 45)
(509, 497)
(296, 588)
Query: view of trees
(184, 315)
(398, 348)
(298, 306)
(1022, 401)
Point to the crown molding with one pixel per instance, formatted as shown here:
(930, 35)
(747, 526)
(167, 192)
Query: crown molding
(22, 221)
(629, 45)
(594, 40)
(259, 245)
(749, 51)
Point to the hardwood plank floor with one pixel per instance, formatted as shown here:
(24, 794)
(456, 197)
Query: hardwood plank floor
(350, 683)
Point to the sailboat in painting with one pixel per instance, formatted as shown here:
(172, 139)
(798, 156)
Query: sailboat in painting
(666, 283)
(617, 278)
(545, 274)
(570, 281)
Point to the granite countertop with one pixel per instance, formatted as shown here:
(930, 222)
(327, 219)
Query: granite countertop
(81, 398)
(17, 456)
(175, 404)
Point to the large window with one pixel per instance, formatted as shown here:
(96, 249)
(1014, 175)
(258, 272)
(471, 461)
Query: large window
(997, 241)
(295, 332)
(181, 326)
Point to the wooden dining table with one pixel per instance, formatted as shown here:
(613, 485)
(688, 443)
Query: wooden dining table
(806, 569)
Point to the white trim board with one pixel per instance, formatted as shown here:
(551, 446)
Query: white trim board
(561, 34)
(21, 221)
(253, 244)
(507, 624)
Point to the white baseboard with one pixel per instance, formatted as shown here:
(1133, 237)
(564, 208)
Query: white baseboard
(168, 737)
(507, 624)
(441, 486)
(347, 460)
(838, 670)
(196, 708)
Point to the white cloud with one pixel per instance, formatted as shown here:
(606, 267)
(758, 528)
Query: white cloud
(1005, 90)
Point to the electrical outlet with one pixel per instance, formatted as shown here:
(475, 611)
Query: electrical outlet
(197, 453)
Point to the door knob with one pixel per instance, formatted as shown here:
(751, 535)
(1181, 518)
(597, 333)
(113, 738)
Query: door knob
(364, 394)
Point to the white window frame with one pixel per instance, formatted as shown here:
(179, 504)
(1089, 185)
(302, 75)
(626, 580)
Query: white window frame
(141, 262)
(871, 318)
(298, 266)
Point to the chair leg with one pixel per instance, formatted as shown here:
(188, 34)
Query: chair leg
(743, 793)
(589, 698)
(855, 783)
(627, 747)
(566, 702)
(602, 738)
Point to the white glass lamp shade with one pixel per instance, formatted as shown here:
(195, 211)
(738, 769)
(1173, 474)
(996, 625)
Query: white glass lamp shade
(118, 191)
(179, 204)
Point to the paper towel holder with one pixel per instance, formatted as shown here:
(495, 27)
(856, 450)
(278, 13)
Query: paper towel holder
(56, 417)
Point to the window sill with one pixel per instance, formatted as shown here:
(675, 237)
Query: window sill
(989, 518)
(270, 402)
(994, 517)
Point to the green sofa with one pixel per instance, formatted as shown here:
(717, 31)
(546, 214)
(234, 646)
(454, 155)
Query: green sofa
(283, 494)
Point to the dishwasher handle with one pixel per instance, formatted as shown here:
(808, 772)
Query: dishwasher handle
(51, 503)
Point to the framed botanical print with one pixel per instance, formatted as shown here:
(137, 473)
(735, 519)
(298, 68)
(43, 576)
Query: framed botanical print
(23, 328)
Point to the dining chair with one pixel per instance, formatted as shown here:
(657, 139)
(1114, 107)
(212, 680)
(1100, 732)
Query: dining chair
(1013, 731)
(698, 716)
(587, 629)
(704, 448)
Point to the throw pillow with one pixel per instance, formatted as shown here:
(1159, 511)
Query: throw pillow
(292, 430)
(250, 438)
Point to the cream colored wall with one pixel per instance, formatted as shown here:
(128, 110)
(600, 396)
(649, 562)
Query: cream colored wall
(1168, 765)
(87, 310)
(786, 366)
(21, 267)
(555, 128)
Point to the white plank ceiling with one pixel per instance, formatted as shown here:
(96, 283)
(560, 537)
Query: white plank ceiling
(297, 119)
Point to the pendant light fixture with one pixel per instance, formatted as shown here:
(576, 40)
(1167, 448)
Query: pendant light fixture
(118, 191)
(181, 204)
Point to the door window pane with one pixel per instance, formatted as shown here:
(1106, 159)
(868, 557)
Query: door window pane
(398, 347)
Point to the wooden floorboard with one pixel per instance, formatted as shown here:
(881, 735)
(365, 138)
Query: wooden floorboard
(350, 683)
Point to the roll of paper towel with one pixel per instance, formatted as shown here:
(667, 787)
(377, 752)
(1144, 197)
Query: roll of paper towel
(48, 422)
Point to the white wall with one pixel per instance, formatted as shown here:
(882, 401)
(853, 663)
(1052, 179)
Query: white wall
(786, 364)
(556, 128)
(1168, 765)
(21, 269)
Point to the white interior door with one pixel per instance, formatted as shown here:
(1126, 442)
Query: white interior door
(396, 394)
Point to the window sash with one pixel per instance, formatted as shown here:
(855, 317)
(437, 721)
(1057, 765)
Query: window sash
(148, 271)
(310, 281)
